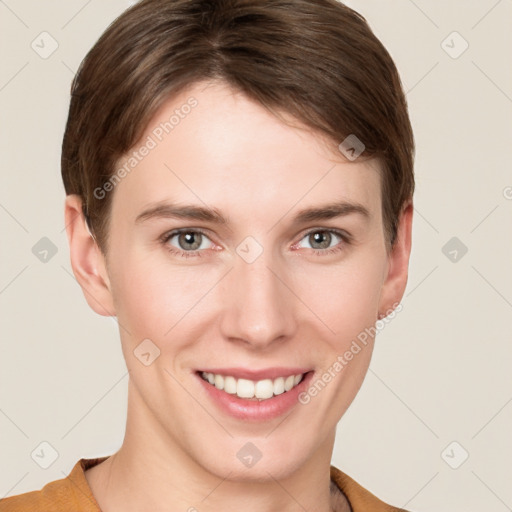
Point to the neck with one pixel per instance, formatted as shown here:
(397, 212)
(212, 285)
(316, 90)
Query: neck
(152, 473)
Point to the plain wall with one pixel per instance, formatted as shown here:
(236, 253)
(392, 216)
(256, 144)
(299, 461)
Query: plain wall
(439, 385)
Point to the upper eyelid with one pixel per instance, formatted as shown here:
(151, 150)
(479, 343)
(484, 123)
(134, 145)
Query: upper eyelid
(177, 231)
(174, 232)
(336, 231)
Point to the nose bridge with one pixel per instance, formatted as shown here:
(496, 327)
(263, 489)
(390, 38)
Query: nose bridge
(258, 306)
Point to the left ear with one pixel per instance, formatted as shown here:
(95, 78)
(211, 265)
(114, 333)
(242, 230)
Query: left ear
(394, 285)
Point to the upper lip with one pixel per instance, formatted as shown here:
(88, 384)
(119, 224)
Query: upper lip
(255, 375)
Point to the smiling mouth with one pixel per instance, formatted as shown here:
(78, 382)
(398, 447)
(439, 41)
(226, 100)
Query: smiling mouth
(253, 390)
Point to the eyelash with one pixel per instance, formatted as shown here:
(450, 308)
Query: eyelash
(164, 239)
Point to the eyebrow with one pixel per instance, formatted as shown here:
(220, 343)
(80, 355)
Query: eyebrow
(214, 216)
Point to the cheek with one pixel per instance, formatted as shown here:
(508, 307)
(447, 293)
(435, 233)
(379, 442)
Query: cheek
(159, 301)
(345, 298)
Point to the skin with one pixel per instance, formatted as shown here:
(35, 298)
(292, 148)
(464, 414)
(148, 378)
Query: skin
(289, 307)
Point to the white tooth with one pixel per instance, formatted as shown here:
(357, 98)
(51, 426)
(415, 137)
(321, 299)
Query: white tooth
(230, 385)
(211, 378)
(219, 381)
(245, 388)
(288, 383)
(296, 379)
(264, 389)
(279, 386)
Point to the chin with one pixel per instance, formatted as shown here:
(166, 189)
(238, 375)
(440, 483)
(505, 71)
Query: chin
(256, 459)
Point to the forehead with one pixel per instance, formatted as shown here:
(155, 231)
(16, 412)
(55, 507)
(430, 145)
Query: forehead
(212, 145)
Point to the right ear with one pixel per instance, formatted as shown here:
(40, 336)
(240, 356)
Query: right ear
(87, 260)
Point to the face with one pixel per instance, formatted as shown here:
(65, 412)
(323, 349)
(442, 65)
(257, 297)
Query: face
(214, 312)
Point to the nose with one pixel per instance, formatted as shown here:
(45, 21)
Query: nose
(259, 308)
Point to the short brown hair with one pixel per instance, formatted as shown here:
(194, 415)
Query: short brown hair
(317, 60)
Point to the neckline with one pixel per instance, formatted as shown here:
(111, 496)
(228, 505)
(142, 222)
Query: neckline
(85, 497)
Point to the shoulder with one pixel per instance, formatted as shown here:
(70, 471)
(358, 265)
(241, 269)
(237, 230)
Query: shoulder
(360, 499)
(55, 496)
(69, 493)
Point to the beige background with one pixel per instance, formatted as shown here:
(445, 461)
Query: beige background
(441, 369)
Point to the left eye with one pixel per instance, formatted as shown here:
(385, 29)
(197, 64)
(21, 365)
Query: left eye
(321, 239)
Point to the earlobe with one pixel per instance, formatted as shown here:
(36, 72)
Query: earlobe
(87, 260)
(398, 264)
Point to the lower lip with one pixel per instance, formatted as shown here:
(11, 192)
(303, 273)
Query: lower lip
(244, 409)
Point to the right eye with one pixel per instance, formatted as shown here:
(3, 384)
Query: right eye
(190, 242)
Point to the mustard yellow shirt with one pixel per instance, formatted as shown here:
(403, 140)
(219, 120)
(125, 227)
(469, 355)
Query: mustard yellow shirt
(73, 494)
